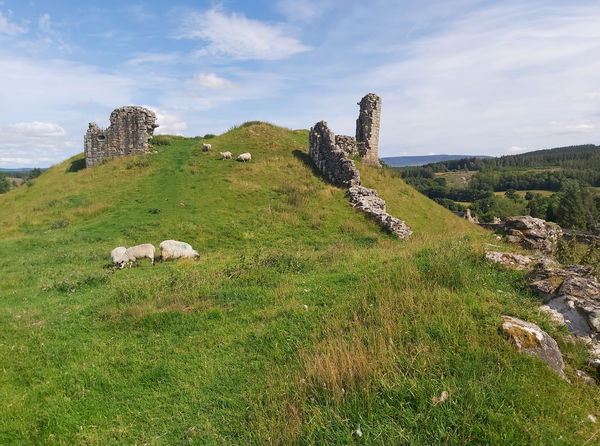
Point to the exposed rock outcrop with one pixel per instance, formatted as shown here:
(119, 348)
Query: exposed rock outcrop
(532, 233)
(129, 131)
(510, 260)
(574, 293)
(368, 201)
(531, 339)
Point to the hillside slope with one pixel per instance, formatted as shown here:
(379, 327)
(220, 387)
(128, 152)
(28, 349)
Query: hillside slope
(301, 322)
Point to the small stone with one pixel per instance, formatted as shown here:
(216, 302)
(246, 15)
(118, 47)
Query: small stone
(440, 399)
(357, 432)
(592, 418)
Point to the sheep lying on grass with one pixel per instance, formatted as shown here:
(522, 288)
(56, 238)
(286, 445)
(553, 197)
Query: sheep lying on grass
(225, 155)
(173, 249)
(206, 147)
(244, 157)
(121, 256)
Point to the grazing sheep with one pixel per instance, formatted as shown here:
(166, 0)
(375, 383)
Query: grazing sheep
(119, 256)
(244, 157)
(139, 252)
(173, 249)
(206, 147)
(225, 155)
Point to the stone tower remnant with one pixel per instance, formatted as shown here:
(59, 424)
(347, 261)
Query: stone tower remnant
(130, 129)
(367, 129)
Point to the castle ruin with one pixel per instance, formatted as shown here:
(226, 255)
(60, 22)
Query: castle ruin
(130, 129)
(330, 154)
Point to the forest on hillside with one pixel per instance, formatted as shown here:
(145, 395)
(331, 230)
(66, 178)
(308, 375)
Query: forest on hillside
(560, 185)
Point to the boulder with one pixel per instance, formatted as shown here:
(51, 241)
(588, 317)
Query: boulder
(531, 339)
(532, 233)
(510, 260)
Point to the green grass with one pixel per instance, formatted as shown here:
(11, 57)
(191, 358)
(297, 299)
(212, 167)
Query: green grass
(301, 321)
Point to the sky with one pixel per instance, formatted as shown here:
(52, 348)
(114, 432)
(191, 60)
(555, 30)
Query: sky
(457, 76)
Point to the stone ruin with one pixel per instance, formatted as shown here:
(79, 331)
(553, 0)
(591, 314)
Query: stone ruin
(367, 129)
(331, 160)
(129, 131)
(366, 142)
(330, 154)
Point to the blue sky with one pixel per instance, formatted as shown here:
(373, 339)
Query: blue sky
(462, 76)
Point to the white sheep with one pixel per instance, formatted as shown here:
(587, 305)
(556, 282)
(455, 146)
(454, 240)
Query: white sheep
(206, 147)
(244, 157)
(119, 256)
(173, 249)
(225, 155)
(139, 252)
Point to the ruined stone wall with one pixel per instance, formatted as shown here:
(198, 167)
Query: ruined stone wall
(129, 131)
(325, 149)
(331, 160)
(367, 129)
(347, 144)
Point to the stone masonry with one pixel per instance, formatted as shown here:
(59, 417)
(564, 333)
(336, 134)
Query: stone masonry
(331, 160)
(347, 144)
(367, 129)
(129, 131)
(330, 154)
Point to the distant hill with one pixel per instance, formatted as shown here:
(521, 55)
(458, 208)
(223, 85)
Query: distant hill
(570, 157)
(401, 161)
(19, 169)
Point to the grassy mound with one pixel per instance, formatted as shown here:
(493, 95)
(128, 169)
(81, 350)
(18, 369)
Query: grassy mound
(301, 323)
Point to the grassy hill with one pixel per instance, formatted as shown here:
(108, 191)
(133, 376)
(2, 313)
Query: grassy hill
(301, 322)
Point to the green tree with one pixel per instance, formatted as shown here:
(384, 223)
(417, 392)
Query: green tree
(4, 184)
(572, 211)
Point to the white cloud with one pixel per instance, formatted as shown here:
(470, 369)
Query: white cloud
(519, 149)
(212, 81)
(28, 144)
(154, 58)
(494, 77)
(300, 10)
(45, 23)
(170, 123)
(33, 129)
(8, 28)
(238, 37)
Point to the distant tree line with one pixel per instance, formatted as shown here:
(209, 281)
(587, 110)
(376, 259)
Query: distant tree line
(570, 173)
(571, 157)
(27, 175)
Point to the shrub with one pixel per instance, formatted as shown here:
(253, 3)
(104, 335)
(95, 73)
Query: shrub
(58, 224)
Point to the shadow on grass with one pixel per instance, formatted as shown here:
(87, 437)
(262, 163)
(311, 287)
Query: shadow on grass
(77, 165)
(307, 161)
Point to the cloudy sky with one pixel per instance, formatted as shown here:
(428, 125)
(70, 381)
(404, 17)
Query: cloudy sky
(456, 76)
